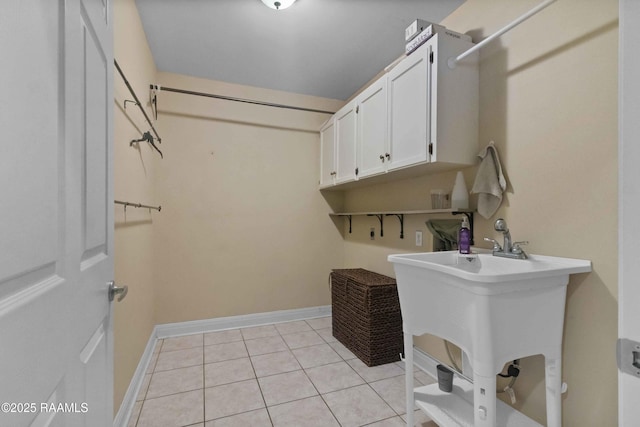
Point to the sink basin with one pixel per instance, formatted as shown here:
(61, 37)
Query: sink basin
(486, 268)
(495, 309)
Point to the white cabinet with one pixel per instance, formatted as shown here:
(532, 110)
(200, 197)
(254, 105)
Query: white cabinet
(372, 136)
(420, 117)
(345, 144)
(433, 110)
(327, 153)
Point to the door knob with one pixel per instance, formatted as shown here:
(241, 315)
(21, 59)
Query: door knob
(115, 290)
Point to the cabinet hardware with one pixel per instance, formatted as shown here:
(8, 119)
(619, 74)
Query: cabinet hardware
(388, 156)
(356, 171)
(431, 57)
(357, 109)
(431, 148)
(382, 157)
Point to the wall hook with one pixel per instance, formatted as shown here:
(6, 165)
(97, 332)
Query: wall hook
(149, 138)
(128, 100)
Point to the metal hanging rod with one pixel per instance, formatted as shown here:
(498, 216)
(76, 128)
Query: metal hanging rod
(137, 205)
(453, 61)
(126, 82)
(231, 98)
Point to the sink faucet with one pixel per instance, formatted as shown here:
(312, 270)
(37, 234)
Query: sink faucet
(509, 249)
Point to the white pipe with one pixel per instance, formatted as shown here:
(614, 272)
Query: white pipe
(453, 61)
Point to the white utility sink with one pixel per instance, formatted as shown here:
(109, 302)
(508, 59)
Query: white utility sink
(496, 310)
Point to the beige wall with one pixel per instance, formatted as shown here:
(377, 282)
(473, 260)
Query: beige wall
(548, 93)
(243, 227)
(134, 171)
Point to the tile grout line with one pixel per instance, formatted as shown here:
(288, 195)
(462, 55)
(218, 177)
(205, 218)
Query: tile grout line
(266, 408)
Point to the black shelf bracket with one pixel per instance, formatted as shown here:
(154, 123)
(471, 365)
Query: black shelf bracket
(381, 219)
(401, 219)
(469, 216)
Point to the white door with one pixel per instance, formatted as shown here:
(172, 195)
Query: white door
(327, 153)
(345, 120)
(56, 213)
(372, 133)
(409, 97)
(629, 194)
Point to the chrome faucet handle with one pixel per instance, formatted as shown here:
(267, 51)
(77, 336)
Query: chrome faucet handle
(516, 246)
(496, 245)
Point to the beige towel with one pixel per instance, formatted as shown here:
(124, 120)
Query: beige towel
(490, 182)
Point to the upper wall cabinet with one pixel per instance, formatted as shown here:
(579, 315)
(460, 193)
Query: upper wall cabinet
(420, 117)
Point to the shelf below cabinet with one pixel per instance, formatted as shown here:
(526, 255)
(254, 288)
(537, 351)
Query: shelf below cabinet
(400, 215)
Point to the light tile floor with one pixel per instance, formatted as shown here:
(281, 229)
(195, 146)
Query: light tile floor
(287, 374)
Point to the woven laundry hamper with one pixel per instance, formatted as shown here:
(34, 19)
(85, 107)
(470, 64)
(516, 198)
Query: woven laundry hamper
(366, 315)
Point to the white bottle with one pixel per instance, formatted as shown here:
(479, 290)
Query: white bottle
(460, 194)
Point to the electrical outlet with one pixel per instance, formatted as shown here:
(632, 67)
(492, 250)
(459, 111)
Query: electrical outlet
(418, 238)
(372, 234)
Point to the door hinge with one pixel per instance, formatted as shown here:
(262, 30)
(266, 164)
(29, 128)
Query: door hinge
(431, 148)
(357, 170)
(628, 355)
(431, 57)
(357, 109)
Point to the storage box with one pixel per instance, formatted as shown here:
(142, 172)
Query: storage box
(366, 315)
(428, 32)
(415, 28)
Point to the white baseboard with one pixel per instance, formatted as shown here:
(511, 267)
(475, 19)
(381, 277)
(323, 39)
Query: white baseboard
(128, 402)
(168, 330)
(243, 321)
(425, 362)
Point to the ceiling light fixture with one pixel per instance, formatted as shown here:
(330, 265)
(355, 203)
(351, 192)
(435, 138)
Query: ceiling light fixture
(278, 4)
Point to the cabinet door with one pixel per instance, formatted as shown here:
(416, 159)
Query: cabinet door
(409, 116)
(372, 129)
(346, 143)
(327, 153)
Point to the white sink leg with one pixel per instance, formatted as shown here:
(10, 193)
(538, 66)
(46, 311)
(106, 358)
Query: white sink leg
(408, 372)
(553, 383)
(484, 400)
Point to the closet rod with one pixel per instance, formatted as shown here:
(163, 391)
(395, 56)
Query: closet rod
(230, 98)
(453, 61)
(137, 205)
(126, 82)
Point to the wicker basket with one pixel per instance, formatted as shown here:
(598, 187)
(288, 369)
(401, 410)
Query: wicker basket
(366, 315)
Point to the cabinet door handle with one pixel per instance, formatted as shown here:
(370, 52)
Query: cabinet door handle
(382, 158)
(388, 156)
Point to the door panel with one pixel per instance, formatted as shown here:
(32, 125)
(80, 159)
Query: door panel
(372, 128)
(57, 219)
(409, 109)
(94, 144)
(31, 149)
(346, 143)
(629, 204)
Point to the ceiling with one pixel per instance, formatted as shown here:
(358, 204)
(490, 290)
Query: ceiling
(327, 48)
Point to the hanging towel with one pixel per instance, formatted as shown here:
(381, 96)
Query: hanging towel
(445, 230)
(490, 182)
